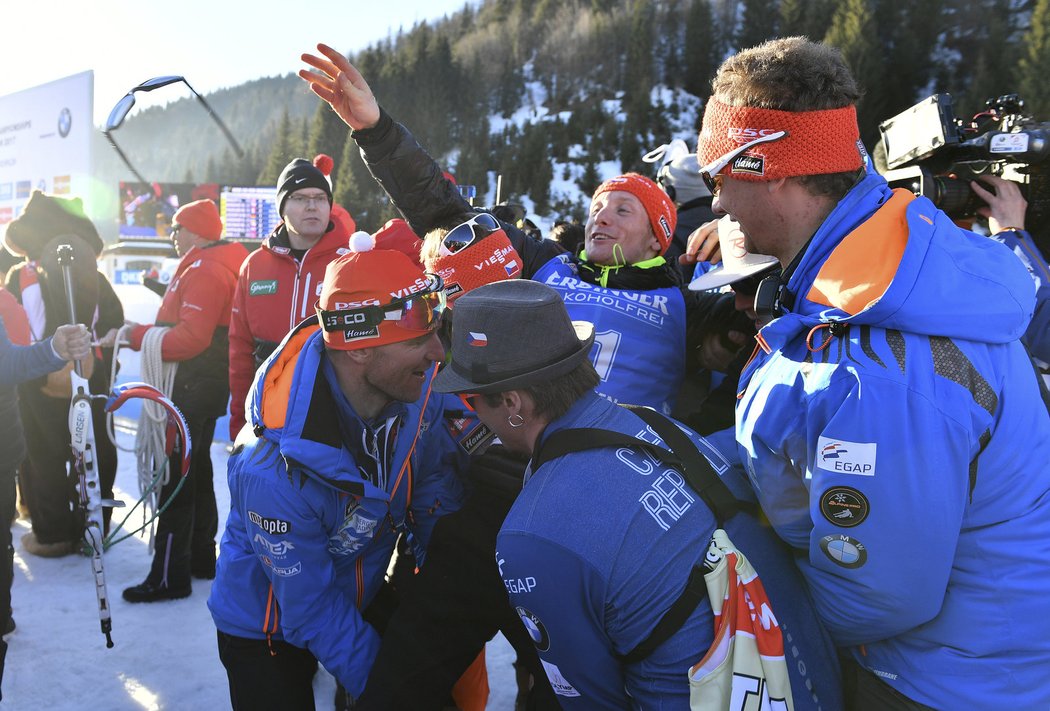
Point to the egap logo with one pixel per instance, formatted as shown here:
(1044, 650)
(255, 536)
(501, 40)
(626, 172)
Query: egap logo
(270, 525)
(842, 457)
(751, 165)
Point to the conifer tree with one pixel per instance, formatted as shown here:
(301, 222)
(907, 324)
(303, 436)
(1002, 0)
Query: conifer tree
(355, 189)
(1034, 67)
(991, 75)
(638, 72)
(908, 33)
(281, 151)
(793, 17)
(328, 134)
(759, 23)
(853, 31)
(702, 56)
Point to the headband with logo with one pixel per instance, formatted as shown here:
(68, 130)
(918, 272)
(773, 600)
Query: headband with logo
(487, 260)
(818, 142)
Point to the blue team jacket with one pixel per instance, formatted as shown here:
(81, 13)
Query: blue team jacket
(600, 543)
(894, 433)
(309, 537)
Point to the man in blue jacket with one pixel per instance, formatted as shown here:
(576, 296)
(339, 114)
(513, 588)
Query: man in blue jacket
(600, 543)
(890, 422)
(19, 364)
(345, 453)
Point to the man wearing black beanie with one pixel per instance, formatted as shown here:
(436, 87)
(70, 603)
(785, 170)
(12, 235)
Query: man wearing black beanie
(279, 283)
(298, 175)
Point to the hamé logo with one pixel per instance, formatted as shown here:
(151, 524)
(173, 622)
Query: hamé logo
(751, 165)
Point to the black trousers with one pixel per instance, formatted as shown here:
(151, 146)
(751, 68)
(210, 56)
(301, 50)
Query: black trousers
(47, 487)
(262, 676)
(7, 552)
(866, 692)
(453, 606)
(186, 530)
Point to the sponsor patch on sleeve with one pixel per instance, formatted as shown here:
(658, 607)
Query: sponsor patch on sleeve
(842, 457)
(559, 683)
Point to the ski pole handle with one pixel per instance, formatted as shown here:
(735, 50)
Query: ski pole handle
(65, 260)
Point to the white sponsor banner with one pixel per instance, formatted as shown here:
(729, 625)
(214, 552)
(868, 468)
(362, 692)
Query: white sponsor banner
(45, 143)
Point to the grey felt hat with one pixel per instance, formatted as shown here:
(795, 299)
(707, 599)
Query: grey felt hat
(512, 334)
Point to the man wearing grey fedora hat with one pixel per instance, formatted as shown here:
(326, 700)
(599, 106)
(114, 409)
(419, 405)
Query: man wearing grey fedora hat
(600, 542)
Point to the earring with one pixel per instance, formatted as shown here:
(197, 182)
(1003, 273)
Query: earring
(519, 420)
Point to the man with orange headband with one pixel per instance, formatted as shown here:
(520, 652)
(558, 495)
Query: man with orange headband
(890, 421)
(344, 453)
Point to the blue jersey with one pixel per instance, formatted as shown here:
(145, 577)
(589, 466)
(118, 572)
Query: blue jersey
(639, 336)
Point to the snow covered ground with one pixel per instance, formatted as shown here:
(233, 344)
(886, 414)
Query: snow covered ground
(164, 655)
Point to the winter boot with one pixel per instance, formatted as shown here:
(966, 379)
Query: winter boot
(47, 550)
(155, 592)
(167, 580)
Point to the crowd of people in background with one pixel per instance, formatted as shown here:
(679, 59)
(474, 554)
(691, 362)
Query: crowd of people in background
(759, 356)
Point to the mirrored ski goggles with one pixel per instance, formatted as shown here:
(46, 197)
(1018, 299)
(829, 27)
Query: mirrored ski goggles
(419, 312)
(462, 236)
(710, 171)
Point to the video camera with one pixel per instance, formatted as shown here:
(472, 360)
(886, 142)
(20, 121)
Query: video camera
(928, 151)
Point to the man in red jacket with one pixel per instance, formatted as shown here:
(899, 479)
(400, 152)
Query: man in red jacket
(196, 313)
(280, 282)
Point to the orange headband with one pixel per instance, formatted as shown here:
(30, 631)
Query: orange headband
(818, 142)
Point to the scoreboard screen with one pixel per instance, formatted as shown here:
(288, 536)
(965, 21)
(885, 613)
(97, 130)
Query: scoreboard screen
(248, 213)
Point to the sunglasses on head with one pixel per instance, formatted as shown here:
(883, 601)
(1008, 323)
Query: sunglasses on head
(462, 236)
(710, 171)
(419, 312)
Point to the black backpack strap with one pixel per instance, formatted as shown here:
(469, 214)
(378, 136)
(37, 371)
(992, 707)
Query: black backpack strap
(564, 442)
(672, 621)
(698, 473)
(701, 476)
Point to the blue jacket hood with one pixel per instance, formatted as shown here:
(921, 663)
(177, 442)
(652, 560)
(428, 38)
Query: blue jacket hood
(889, 259)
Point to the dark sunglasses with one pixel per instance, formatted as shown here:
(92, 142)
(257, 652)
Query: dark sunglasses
(462, 236)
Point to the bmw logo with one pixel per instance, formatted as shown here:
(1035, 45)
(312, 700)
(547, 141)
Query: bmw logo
(534, 626)
(65, 122)
(844, 550)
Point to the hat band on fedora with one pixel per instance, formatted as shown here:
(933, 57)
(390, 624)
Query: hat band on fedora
(482, 374)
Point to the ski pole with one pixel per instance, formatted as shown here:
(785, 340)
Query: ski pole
(82, 439)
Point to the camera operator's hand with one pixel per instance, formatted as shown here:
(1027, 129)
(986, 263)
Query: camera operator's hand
(340, 84)
(1006, 206)
(702, 245)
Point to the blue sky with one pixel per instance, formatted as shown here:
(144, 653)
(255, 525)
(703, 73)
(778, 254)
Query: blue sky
(214, 44)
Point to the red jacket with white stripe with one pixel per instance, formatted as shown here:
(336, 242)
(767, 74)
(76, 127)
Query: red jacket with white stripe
(196, 308)
(274, 293)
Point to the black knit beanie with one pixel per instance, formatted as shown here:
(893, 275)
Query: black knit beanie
(299, 174)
